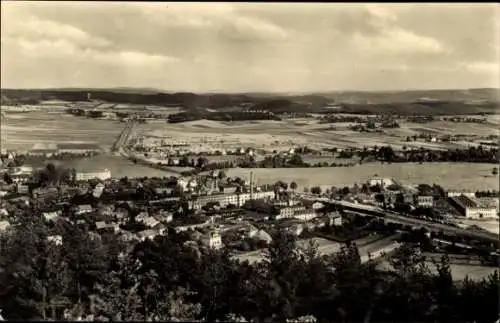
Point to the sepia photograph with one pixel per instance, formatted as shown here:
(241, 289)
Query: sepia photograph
(249, 162)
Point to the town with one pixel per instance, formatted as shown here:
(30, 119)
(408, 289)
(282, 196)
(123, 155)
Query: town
(235, 162)
(237, 214)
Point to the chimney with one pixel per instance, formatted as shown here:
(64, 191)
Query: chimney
(251, 186)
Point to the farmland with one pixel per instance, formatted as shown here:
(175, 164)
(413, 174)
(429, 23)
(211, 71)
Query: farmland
(288, 133)
(451, 176)
(20, 131)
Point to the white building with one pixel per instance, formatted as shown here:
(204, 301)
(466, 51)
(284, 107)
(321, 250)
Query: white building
(85, 176)
(473, 209)
(425, 201)
(384, 182)
(57, 239)
(98, 190)
(212, 240)
(459, 193)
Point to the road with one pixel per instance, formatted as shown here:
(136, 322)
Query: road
(123, 137)
(398, 218)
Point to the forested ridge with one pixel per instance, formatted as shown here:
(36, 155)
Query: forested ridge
(101, 278)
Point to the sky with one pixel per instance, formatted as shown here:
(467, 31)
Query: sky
(249, 47)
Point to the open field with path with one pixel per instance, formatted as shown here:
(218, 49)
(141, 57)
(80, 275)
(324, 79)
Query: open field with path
(51, 124)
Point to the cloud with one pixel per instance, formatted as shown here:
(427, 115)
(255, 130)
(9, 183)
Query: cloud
(34, 28)
(484, 67)
(397, 41)
(65, 49)
(248, 46)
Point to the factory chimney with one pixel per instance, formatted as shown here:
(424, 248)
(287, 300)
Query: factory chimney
(251, 185)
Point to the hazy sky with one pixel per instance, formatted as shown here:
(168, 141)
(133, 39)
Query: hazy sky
(249, 47)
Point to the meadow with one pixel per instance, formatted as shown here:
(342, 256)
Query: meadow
(451, 176)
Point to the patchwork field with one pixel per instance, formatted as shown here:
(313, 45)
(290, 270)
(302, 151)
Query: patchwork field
(51, 124)
(269, 134)
(451, 176)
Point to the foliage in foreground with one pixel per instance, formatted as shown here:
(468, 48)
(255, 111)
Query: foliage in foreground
(98, 279)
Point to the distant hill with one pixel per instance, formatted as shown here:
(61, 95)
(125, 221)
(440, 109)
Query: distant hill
(487, 94)
(431, 102)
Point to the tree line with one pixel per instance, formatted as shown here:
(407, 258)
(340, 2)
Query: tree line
(102, 278)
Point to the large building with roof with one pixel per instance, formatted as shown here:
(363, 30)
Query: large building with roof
(472, 208)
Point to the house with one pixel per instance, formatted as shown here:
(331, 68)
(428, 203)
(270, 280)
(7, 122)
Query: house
(292, 226)
(4, 212)
(212, 240)
(22, 188)
(121, 215)
(45, 193)
(4, 225)
(317, 206)
(98, 190)
(383, 182)
(146, 219)
(50, 216)
(147, 234)
(229, 189)
(56, 239)
(107, 210)
(425, 201)
(83, 209)
(85, 176)
(164, 216)
(103, 226)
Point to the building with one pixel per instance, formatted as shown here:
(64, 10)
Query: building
(56, 239)
(103, 226)
(297, 212)
(41, 149)
(212, 240)
(425, 201)
(45, 193)
(459, 193)
(85, 176)
(22, 188)
(383, 182)
(4, 225)
(98, 190)
(50, 216)
(472, 209)
(83, 209)
(226, 199)
(147, 234)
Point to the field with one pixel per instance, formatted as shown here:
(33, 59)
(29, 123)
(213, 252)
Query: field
(458, 271)
(118, 166)
(20, 131)
(451, 176)
(292, 132)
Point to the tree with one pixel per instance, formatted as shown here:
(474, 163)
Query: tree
(316, 190)
(7, 178)
(221, 175)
